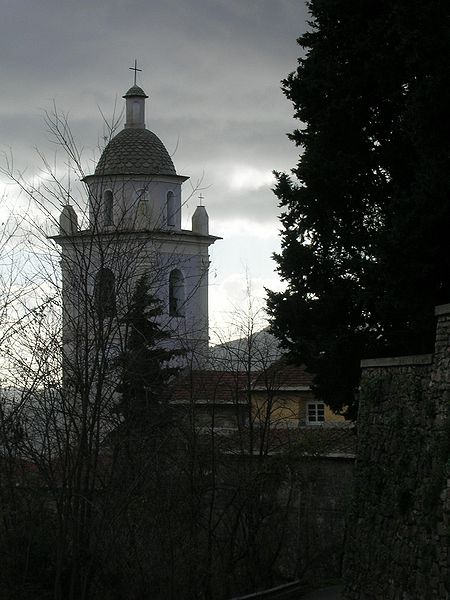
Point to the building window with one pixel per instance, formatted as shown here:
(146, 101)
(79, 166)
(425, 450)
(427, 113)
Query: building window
(141, 196)
(170, 209)
(142, 211)
(105, 293)
(176, 294)
(108, 218)
(315, 413)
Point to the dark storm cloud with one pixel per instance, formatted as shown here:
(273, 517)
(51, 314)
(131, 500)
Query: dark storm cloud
(211, 68)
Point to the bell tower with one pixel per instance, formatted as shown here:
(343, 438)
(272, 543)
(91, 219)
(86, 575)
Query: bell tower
(134, 228)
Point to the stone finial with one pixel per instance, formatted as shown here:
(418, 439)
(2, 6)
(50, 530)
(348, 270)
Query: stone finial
(200, 221)
(68, 221)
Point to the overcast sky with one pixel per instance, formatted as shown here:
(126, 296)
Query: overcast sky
(212, 69)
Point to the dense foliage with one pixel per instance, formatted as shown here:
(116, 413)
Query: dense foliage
(145, 362)
(366, 222)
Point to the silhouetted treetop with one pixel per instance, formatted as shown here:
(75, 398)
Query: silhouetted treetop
(366, 221)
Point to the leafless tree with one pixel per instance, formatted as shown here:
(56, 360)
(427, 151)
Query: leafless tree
(197, 505)
(61, 331)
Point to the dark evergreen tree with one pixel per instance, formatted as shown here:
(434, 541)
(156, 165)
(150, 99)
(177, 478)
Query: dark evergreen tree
(145, 362)
(365, 226)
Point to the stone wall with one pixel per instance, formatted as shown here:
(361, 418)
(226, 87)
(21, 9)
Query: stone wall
(398, 539)
(299, 508)
(316, 521)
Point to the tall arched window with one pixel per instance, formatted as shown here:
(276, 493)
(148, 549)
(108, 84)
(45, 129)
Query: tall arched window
(170, 208)
(105, 293)
(142, 211)
(108, 217)
(142, 199)
(141, 195)
(176, 293)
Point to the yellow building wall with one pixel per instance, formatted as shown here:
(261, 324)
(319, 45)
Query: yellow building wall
(286, 408)
(332, 417)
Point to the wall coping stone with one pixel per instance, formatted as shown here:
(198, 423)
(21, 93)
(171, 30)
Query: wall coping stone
(442, 309)
(397, 361)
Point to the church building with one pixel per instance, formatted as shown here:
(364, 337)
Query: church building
(134, 228)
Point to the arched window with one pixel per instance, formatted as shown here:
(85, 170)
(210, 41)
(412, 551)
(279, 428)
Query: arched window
(170, 207)
(176, 293)
(105, 293)
(108, 218)
(142, 210)
(142, 200)
(141, 196)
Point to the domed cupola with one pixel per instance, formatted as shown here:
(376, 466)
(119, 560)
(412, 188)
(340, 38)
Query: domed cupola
(135, 184)
(135, 150)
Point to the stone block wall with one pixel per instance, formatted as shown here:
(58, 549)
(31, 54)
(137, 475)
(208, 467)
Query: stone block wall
(315, 538)
(399, 534)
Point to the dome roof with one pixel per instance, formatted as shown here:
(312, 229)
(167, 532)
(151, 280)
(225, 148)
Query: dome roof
(135, 90)
(135, 152)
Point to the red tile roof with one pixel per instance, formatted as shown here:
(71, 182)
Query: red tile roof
(222, 387)
(226, 387)
(283, 375)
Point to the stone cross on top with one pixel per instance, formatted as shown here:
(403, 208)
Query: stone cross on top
(135, 69)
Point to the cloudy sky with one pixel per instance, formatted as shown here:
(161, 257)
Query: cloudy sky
(212, 69)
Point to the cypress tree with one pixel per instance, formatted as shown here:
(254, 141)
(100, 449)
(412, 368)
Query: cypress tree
(366, 218)
(145, 362)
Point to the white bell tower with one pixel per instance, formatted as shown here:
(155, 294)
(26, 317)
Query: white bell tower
(135, 209)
